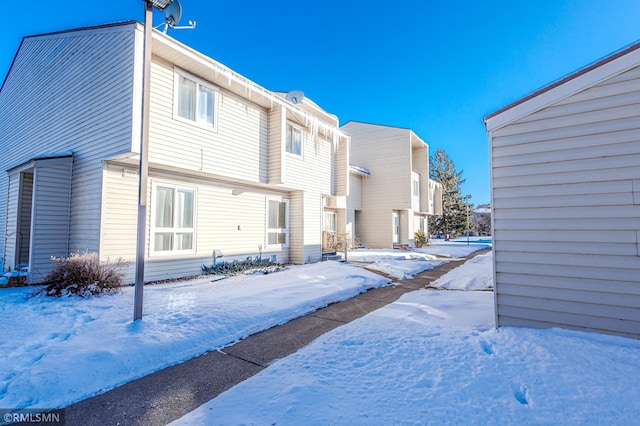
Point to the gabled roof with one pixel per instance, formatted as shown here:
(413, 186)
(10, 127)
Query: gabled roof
(57, 33)
(603, 69)
(416, 141)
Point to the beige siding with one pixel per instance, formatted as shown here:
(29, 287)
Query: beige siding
(354, 203)
(237, 149)
(277, 122)
(306, 227)
(296, 227)
(386, 153)
(70, 91)
(315, 170)
(230, 218)
(566, 213)
(342, 175)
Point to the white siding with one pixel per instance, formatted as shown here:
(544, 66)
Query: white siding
(566, 213)
(70, 91)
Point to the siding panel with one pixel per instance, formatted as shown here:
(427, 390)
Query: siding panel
(565, 212)
(83, 80)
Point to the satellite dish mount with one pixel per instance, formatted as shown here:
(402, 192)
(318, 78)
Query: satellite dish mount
(172, 15)
(295, 96)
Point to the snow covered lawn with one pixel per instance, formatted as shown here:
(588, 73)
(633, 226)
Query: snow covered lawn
(58, 351)
(474, 274)
(433, 357)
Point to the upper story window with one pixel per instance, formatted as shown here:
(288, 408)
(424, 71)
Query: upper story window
(416, 187)
(195, 101)
(173, 218)
(294, 140)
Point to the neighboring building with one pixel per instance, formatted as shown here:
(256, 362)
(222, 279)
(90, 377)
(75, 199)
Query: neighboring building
(566, 201)
(481, 220)
(233, 167)
(390, 190)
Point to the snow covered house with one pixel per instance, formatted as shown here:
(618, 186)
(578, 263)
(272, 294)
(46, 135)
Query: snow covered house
(233, 167)
(390, 190)
(565, 178)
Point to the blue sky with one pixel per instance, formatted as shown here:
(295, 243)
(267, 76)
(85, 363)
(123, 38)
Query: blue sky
(435, 67)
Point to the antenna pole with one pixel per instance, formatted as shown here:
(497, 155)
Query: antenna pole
(144, 163)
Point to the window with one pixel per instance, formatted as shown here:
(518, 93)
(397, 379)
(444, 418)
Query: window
(416, 187)
(330, 221)
(294, 140)
(277, 222)
(195, 101)
(173, 215)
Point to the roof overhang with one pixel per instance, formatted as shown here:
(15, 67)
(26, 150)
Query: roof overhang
(211, 70)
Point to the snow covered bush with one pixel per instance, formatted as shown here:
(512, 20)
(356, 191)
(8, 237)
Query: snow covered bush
(83, 275)
(247, 266)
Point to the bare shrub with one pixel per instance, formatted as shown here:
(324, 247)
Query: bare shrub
(83, 275)
(419, 238)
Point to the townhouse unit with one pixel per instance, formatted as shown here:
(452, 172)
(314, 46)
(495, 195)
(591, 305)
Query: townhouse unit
(391, 194)
(565, 182)
(233, 167)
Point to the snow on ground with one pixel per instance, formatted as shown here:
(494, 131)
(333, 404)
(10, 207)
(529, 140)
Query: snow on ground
(474, 274)
(405, 268)
(403, 264)
(58, 351)
(373, 255)
(433, 357)
(455, 248)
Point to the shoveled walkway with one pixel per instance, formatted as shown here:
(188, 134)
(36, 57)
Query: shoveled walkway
(168, 394)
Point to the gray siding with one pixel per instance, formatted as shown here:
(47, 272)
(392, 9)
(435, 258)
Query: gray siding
(566, 213)
(25, 210)
(11, 234)
(70, 91)
(51, 215)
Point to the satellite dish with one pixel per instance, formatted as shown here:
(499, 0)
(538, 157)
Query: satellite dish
(295, 96)
(172, 14)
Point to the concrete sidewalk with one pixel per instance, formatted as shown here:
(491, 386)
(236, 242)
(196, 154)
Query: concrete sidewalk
(168, 394)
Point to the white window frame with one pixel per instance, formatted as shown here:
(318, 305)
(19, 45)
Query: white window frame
(199, 83)
(294, 127)
(327, 221)
(175, 230)
(277, 230)
(416, 188)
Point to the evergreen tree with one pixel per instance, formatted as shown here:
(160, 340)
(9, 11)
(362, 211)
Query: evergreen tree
(455, 207)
